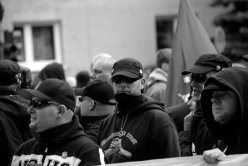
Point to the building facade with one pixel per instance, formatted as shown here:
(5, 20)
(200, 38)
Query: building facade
(73, 31)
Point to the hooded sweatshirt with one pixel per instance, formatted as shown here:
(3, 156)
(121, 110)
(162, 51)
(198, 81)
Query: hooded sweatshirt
(14, 124)
(138, 130)
(232, 136)
(65, 144)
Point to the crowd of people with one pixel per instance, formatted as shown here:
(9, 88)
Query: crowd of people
(112, 115)
(117, 112)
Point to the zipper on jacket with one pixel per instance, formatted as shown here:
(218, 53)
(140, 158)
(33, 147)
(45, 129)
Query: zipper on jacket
(44, 156)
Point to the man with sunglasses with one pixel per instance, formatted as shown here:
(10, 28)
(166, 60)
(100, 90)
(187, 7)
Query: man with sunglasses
(60, 139)
(224, 108)
(196, 131)
(139, 129)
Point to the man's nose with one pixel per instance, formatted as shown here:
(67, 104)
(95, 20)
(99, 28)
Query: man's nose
(31, 109)
(194, 83)
(215, 100)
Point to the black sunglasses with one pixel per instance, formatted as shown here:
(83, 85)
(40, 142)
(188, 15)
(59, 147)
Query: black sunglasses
(200, 78)
(41, 103)
(119, 79)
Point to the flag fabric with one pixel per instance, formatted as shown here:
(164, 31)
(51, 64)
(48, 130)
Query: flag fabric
(190, 41)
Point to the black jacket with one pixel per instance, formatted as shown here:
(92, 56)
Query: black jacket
(65, 144)
(14, 124)
(90, 124)
(233, 135)
(144, 132)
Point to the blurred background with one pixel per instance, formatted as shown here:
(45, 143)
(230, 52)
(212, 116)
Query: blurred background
(38, 32)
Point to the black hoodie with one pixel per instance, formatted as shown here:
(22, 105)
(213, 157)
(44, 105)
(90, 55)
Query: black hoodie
(143, 132)
(65, 144)
(232, 136)
(14, 124)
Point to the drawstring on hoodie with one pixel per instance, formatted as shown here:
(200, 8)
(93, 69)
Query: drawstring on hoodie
(123, 123)
(44, 156)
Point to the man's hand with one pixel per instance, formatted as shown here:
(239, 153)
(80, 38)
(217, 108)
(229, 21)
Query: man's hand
(213, 156)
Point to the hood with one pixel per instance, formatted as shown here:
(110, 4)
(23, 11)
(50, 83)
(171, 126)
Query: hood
(157, 75)
(16, 106)
(235, 79)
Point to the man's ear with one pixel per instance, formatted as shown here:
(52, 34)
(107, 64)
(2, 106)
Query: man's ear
(92, 105)
(61, 109)
(142, 83)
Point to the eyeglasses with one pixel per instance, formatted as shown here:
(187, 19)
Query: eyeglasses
(81, 99)
(200, 78)
(41, 103)
(119, 79)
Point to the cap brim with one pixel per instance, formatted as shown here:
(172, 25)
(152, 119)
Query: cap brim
(197, 70)
(125, 73)
(79, 91)
(38, 94)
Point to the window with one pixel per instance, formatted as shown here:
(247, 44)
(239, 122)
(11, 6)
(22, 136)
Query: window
(165, 28)
(43, 43)
(37, 44)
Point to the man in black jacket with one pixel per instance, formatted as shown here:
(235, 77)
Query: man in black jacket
(60, 139)
(97, 101)
(139, 129)
(14, 118)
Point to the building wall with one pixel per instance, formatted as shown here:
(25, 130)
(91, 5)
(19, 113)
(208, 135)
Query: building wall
(122, 28)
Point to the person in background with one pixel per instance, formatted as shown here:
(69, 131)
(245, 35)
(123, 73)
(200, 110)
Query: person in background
(52, 70)
(14, 118)
(224, 107)
(156, 83)
(59, 136)
(102, 67)
(97, 103)
(196, 134)
(139, 129)
(82, 79)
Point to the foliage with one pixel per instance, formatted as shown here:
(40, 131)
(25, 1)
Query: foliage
(234, 21)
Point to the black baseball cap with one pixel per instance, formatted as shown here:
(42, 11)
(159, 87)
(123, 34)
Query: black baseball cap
(207, 63)
(55, 90)
(98, 90)
(9, 71)
(128, 67)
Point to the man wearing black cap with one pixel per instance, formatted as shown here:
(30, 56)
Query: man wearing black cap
(60, 139)
(139, 129)
(195, 129)
(97, 101)
(14, 118)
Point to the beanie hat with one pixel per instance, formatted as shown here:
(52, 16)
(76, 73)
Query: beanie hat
(98, 90)
(55, 90)
(9, 72)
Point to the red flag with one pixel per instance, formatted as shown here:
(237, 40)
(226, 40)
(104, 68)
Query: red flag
(190, 41)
